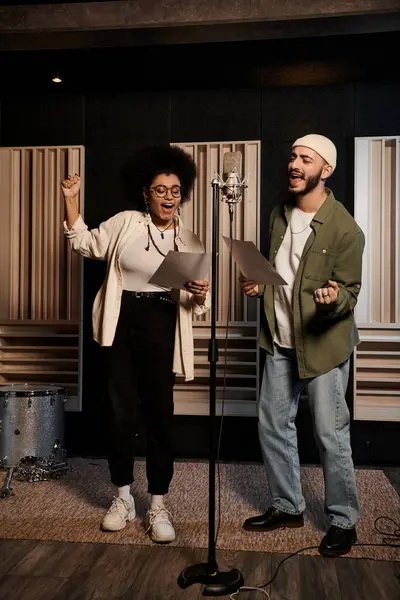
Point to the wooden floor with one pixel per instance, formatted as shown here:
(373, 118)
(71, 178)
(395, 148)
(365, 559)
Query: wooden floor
(32, 570)
(69, 571)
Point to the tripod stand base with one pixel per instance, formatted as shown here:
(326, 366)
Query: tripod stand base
(216, 583)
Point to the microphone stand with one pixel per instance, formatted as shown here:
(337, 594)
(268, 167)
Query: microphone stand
(216, 582)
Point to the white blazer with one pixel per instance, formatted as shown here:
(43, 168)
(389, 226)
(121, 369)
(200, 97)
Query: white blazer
(107, 243)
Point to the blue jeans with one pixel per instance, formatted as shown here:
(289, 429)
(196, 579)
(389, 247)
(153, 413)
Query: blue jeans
(279, 400)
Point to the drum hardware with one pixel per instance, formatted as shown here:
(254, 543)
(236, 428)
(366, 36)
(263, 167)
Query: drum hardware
(6, 490)
(34, 468)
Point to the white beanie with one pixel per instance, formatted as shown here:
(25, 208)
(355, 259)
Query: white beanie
(321, 145)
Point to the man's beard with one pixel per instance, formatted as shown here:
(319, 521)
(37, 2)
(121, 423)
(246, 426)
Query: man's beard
(311, 184)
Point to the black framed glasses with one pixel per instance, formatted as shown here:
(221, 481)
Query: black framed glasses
(161, 191)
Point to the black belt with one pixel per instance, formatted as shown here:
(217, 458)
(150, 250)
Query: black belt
(166, 296)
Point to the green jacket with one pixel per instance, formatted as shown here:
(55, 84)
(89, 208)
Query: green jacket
(325, 336)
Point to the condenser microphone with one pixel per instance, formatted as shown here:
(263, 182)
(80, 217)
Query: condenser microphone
(232, 184)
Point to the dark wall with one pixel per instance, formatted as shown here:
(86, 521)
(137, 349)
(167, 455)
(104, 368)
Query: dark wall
(112, 101)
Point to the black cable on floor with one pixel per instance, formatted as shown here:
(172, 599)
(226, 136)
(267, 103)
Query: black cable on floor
(391, 541)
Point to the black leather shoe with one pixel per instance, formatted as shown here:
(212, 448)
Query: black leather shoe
(273, 519)
(337, 541)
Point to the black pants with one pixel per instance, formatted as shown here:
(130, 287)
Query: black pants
(139, 377)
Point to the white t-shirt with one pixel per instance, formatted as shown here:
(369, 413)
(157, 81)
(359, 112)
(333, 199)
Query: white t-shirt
(286, 263)
(138, 265)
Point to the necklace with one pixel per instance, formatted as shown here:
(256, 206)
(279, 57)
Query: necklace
(162, 230)
(151, 239)
(303, 221)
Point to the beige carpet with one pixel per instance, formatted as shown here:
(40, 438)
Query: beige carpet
(71, 508)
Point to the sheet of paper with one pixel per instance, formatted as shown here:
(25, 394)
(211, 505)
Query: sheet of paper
(252, 263)
(179, 267)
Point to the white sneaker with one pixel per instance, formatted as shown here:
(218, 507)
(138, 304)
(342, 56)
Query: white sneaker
(118, 514)
(159, 525)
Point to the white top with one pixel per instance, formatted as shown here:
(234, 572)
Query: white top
(286, 263)
(138, 265)
(107, 242)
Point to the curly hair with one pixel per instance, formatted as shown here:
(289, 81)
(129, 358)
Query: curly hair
(150, 161)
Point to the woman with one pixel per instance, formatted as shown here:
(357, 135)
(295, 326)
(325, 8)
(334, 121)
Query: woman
(146, 330)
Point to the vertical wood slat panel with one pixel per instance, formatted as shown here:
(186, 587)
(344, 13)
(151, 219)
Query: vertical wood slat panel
(15, 233)
(195, 209)
(75, 165)
(51, 184)
(187, 209)
(383, 210)
(63, 267)
(40, 228)
(36, 234)
(241, 310)
(223, 252)
(387, 232)
(209, 176)
(204, 211)
(33, 237)
(6, 232)
(57, 214)
(390, 231)
(71, 171)
(201, 193)
(237, 296)
(397, 230)
(24, 233)
(251, 216)
(46, 234)
(212, 168)
(376, 239)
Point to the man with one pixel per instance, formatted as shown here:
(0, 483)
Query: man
(309, 336)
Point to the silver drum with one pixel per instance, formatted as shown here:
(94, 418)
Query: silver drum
(31, 422)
